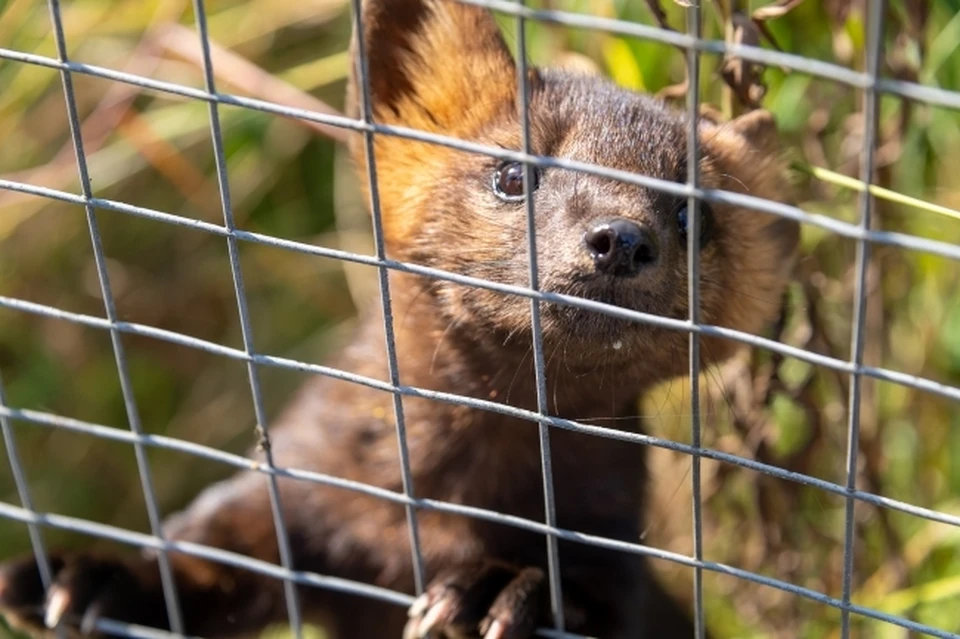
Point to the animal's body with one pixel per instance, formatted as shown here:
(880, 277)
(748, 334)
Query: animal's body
(444, 68)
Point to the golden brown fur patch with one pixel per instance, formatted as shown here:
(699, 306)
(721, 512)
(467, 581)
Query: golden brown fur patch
(432, 79)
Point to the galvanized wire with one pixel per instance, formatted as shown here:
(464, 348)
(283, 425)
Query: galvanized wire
(869, 81)
(366, 109)
(875, 11)
(23, 492)
(42, 418)
(797, 214)
(126, 385)
(693, 300)
(810, 357)
(218, 555)
(536, 331)
(246, 330)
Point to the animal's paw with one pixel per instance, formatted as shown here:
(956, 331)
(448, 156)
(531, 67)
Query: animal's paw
(85, 589)
(488, 600)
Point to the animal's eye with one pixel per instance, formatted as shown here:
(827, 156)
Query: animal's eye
(706, 223)
(508, 181)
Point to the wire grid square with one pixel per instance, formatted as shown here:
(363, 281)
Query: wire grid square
(870, 82)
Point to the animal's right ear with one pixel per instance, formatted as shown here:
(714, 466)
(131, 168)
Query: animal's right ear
(433, 65)
(759, 128)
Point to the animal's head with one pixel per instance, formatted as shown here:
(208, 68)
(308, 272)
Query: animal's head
(443, 67)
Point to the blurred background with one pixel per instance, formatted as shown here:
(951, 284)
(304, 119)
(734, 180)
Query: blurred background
(290, 180)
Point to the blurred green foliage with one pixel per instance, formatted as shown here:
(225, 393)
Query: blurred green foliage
(153, 150)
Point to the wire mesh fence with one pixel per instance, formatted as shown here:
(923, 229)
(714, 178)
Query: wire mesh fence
(874, 87)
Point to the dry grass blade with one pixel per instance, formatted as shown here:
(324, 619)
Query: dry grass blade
(97, 128)
(171, 163)
(775, 10)
(246, 76)
(838, 179)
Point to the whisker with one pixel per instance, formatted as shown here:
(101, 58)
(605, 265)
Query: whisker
(436, 350)
(513, 381)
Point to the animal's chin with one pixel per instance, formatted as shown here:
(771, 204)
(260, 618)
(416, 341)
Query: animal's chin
(589, 326)
(612, 325)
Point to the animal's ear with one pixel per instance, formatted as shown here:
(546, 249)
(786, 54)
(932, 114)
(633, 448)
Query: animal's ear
(433, 65)
(749, 146)
(759, 128)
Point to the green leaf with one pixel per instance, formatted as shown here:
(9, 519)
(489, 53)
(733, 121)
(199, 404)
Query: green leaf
(622, 65)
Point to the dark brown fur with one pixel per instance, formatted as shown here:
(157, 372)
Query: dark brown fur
(444, 68)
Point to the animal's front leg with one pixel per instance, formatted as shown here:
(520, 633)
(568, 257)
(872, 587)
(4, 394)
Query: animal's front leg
(215, 599)
(88, 587)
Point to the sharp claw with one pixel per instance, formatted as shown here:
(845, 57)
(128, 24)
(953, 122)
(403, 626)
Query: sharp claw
(433, 617)
(57, 604)
(412, 629)
(90, 618)
(497, 630)
(419, 606)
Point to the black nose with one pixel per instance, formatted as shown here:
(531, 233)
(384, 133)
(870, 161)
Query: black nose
(621, 247)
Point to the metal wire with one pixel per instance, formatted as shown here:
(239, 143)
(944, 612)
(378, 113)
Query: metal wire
(896, 377)
(933, 96)
(844, 229)
(693, 297)
(49, 419)
(246, 330)
(209, 553)
(126, 386)
(873, 47)
(23, 492)
(366, 108)
(536, 332)
(872, 85)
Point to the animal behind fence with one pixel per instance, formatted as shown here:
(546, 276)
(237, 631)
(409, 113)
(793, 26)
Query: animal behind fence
(481, 442)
